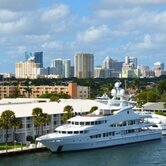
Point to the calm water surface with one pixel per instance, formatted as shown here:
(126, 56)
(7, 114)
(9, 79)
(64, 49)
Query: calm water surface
(151, 153)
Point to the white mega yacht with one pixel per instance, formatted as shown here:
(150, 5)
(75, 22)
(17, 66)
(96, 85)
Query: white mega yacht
(114, 124)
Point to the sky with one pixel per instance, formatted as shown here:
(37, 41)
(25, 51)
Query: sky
(61, 28)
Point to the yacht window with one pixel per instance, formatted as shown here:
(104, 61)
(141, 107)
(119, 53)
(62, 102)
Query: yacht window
(81, 123)
(92, 123)
(75, 132)
(96, 122)
(69, 132)
(87, 123)
(76, 123)
(124, 123)
(72, 123)
(113, 125)
(63, 132)
(81, 132)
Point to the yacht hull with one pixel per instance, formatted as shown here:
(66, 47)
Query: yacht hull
(56, 146)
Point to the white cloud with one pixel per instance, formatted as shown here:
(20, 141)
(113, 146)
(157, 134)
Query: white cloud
(94, 34)
(55, 14)
(143, 3)
(18, 5)
(6, 15)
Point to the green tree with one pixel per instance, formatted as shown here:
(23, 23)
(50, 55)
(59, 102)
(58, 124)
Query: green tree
(40, 119)
(16, 123)
(164, 105)
(28, 90)
(37, 113)
(54, 98)
(94, 108)
(45, 118)
(68, 113)
(6, 121)
(162, 87)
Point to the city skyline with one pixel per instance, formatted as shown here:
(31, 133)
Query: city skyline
(62, 28)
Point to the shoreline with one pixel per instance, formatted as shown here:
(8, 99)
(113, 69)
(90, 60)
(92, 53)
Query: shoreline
(18, 151)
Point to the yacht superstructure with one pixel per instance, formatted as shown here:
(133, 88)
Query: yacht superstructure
(114, 124)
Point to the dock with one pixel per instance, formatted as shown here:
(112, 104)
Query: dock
(22, 150)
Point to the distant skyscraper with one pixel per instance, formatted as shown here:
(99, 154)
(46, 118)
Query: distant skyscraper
(27, 69)
(62, 66)
(84, 65)
(28, 55)
(66, 68)
(158, 66)
(107, 63)
(58, 64)
(143, 70)
(72, 71)
(131, 61)
(38, 58)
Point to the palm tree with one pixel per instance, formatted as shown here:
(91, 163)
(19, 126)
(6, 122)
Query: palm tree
(37, 113)
(16, 123)
(94, 108)
(45, 118)
(6, 121)
(68, 113)
(40, 119)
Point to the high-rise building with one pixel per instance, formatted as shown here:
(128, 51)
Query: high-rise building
(28, 56)
(27, 69)
(62, 66)
(100, 72)
(38, 58)
(131, 61)
(72, 71)
(143, 70)
(66, 70)
(58, 64)
(84, 65)
(158, 66)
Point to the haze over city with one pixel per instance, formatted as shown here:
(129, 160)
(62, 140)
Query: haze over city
(60, 28)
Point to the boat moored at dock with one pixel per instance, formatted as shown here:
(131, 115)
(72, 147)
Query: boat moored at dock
(113, 124)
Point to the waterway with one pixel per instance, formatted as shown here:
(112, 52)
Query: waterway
(152, 153)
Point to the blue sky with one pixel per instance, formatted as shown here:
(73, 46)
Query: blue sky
(60, 28)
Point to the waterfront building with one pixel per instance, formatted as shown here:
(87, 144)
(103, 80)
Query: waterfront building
(73, 90)
(23, 110)
(84, 65)
(27, 69)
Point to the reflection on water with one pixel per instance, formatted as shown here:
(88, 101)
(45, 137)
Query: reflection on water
(140, 154)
